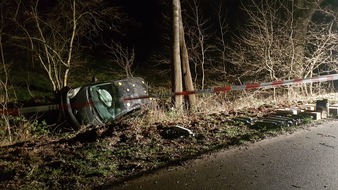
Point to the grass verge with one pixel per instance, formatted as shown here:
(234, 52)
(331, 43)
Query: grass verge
(129, 148)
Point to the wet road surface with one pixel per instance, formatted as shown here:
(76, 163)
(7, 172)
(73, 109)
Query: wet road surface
(306, 159)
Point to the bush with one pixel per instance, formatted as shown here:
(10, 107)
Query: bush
(19, 128)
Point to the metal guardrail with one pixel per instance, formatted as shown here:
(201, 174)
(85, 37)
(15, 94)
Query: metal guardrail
(53, 107)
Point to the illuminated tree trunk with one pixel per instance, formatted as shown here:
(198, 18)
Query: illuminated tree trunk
(303, 12)
(188, 84)
(177, 70)
(181, 61)
(302, 15)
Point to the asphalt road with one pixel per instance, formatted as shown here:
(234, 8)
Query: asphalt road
(306, 159)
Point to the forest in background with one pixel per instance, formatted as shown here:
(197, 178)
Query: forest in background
(46, 45)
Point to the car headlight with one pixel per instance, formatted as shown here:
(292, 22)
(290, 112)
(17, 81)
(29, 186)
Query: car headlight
(72, 92)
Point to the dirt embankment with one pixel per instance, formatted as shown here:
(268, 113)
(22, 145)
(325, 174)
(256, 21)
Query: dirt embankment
(95, 155)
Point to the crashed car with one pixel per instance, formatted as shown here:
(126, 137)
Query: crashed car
(101, 103)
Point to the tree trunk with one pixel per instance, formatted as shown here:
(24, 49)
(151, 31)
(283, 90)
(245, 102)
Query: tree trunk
(303, 12)
(177, 71)
(189, 86)
(71, 43)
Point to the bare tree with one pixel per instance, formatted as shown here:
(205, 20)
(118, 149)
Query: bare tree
(302, 12)
(124, 57)
(51, 42)
(56, 33)
(274, 44)
(221, 46)
(4, 97)
(197, 34)
(322, 44)
(264, 46)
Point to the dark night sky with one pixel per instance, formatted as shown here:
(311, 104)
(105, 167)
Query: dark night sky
(146, 36)
(144, 32)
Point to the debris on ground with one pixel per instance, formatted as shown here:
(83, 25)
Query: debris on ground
(97, 155)
(175, 131)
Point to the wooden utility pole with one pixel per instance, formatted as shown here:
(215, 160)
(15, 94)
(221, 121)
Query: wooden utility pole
(187, 78)
(181, 60)
(177, 70)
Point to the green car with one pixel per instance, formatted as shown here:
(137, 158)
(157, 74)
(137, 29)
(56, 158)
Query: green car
(101, 103)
